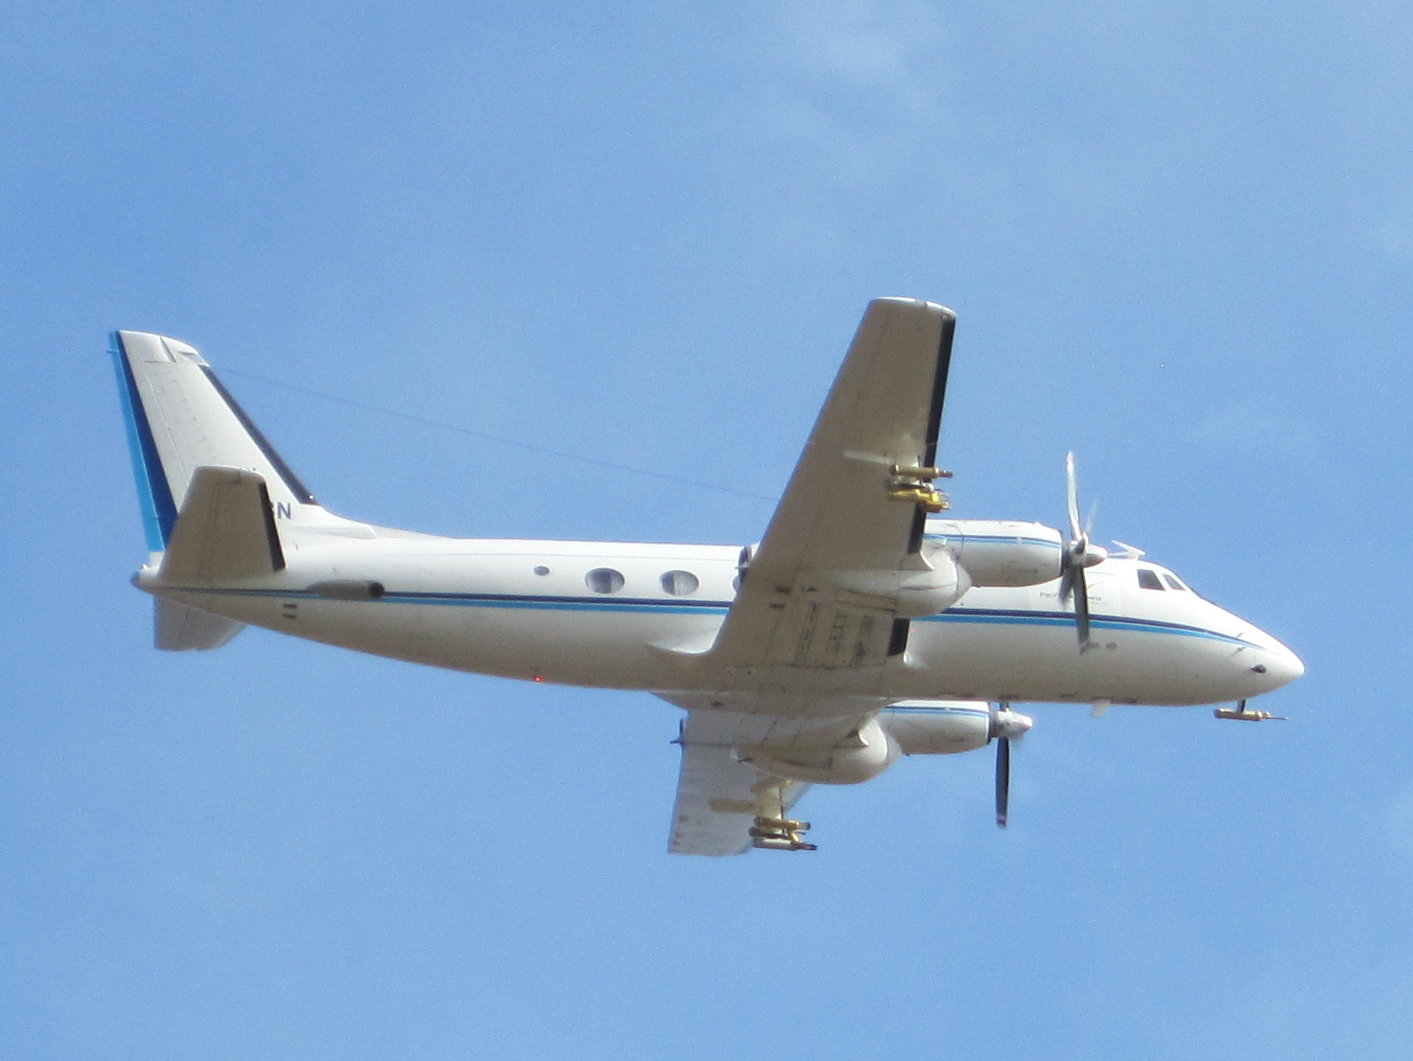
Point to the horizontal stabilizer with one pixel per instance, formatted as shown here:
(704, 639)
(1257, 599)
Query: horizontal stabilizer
(225, 530)
(179, 628)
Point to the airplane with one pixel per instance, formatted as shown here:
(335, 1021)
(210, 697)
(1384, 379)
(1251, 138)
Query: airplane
(863, 627)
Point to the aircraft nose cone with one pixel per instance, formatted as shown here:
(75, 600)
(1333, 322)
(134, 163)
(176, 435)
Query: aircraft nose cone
(1278, 666)
(1290, 667)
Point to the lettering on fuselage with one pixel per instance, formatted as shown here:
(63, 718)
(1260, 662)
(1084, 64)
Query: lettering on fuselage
(282, 510)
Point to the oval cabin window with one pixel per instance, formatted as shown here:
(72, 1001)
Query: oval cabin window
(680, 583)
(604, 580)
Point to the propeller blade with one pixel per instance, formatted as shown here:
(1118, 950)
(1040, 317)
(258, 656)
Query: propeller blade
(1081, 607)
(1006, 726)
(1072, 496)
(1003, 780)
(1079, 554)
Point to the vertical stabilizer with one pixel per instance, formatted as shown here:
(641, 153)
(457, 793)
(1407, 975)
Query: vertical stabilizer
(180, 418)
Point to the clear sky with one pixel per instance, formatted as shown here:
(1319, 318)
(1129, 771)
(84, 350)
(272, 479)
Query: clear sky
(1179, 240)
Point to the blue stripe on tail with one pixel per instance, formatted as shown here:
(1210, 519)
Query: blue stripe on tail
(154, 495)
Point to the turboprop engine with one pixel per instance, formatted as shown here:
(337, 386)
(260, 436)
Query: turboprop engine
(956, 555)
(998, 552)
(1012, 553)
(932, 584)
(935, 585)
(859, 757)
(939, 727)
(916, 727)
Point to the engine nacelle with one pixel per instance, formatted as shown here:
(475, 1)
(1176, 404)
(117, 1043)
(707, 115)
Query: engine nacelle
(858, 758)
(909, 594)
(944, 727)
(997, 552)
(914, 727)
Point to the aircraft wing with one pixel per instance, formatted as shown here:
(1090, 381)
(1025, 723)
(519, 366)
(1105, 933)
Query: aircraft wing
(821, 590)
(718, 795)
(716, 802)
(721, 789)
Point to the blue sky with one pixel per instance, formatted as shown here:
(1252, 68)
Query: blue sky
(1179, 240)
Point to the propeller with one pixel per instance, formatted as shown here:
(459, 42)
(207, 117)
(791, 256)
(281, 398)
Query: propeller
(1003, 781)
(1080, 554)
(1006, 726)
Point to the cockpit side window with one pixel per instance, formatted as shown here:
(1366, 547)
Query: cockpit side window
(1148, 578)
(1172, 581)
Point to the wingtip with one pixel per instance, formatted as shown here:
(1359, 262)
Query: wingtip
(920, 303)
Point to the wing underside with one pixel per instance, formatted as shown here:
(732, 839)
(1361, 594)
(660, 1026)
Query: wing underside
(720, 796)
(797, 668)
(822, 589)
(718, 801)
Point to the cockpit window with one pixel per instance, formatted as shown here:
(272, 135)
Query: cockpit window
(1148, 578)
(1172, 581)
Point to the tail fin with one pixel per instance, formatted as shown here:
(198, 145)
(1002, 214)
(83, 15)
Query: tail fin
(180, 418)
(196, 455)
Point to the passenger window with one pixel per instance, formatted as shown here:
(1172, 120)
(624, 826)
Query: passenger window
(679, 583)
(1148, 579)
(1172, 581)
(604, 580)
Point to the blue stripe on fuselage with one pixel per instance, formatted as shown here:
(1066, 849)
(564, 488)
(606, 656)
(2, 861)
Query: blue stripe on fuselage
(648, 606)
(997, 616)
(499, 600)
(154, 496)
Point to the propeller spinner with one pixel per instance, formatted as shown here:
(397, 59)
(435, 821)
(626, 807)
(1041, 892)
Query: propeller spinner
(1080, 555)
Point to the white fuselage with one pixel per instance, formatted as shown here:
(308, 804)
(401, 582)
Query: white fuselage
(856, 631)
(532, 610)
